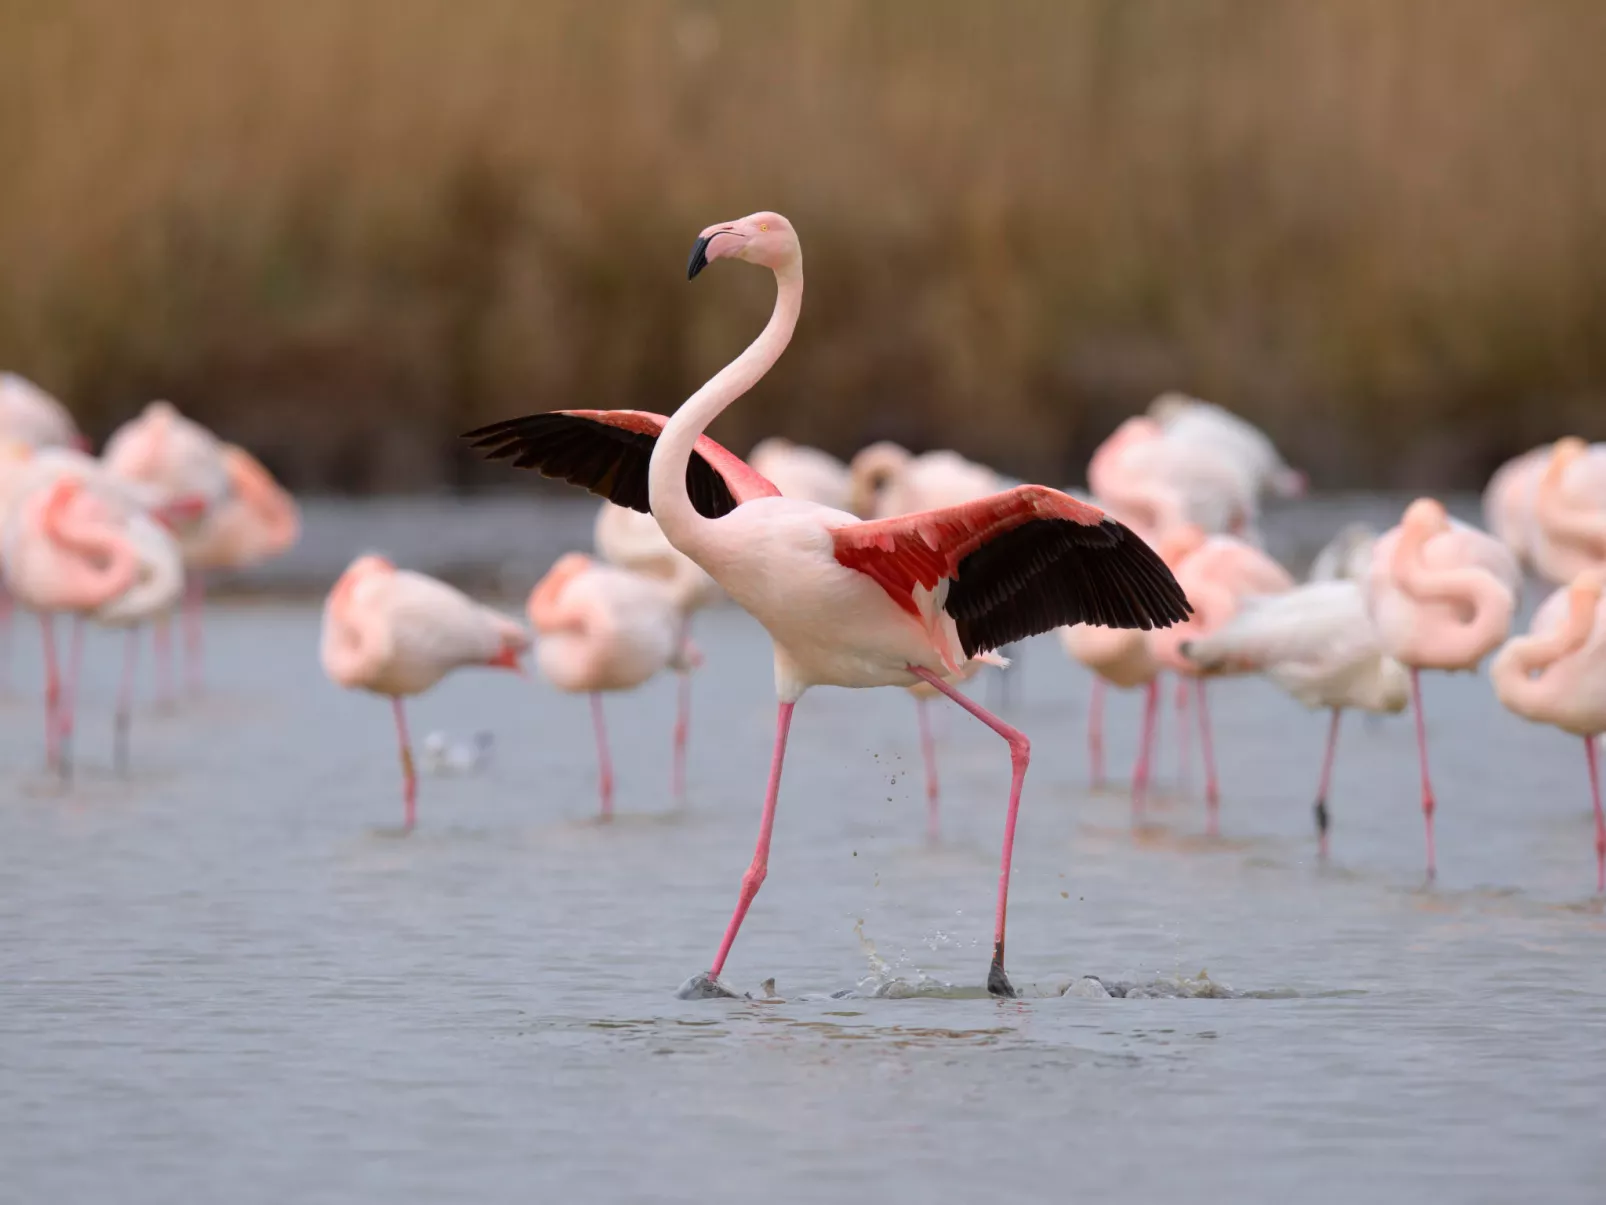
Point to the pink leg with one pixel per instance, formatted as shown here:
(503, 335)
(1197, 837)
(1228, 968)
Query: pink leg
(759, 869)
(1184, 736)
(1141, 771)
(1427, 785)
(1327, 779)
(1095, 731)
(162, 646)
(125, 701)
(677, 772)
(409, 774)
(1208, 749)
(1020, 756)
(69, 698)
(52, 692)
(604, 762)
(928, 750)
(1600, 819)
(194, 633)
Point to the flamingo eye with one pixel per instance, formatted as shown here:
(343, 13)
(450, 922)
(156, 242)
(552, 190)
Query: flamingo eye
(763, 225)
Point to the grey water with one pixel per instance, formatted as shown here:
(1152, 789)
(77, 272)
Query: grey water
(229, 978)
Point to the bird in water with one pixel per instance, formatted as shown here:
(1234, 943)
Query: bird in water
(398, 633)
(602, 628)
(1441, 596)
(847, 602)
(1556, 674)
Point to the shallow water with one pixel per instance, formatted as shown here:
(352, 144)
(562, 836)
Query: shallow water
(229, 979)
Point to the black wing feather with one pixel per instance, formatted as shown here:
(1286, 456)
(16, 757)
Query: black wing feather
(1050, 572)
(607, 460)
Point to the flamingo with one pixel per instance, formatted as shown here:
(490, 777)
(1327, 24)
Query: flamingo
(1556, 674)
(1441, 595)
(801, 472)
(1317, 643)
(1190, 420)
(65, 550)
(1218, 572)
(178, 459)
(888, 480)
(602, 628)
(633, 540)
(1158, 484)
(846, 602)
(1569, 511)
(1509, 499)
(397, 633)
(256, 522)
(1347, 557)
(31, 416)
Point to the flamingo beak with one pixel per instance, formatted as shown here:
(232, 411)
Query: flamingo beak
(699, 257)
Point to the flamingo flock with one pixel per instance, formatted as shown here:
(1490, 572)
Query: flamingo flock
(898, 569)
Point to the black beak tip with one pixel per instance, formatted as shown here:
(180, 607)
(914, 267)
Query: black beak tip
(698, 260)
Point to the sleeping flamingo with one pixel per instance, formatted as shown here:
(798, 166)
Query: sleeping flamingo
(1441, 595)
(887, 480)
(178, 459)
(632, 540)
(601, 628)
(256, 522)
(1569, 511)
(31, 416)
(799, 471)
(397, 633)
(1317, 643)
(1191, 420)
(1219, 573)
(1556, 674)
(1509, 498)
(847, 603)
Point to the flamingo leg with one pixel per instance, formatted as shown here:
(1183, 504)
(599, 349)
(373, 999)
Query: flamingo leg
(753, 879)
(194, 631)
(409, 773)
(68, 699)
(52, 691)
(1207, 749)
(124, 717)
(1322, 817)
(1184, 736)
(1141, 771)
(604, 762)
(1600, 818)
(677, 771)
(1095, 732)
(162, 651)
(1020, 756)
(928, 751)
(1422, 754)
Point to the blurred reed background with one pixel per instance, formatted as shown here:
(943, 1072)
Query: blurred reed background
(344, 230)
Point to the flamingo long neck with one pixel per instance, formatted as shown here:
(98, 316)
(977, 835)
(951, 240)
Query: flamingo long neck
(107, 564)
(1566, 523)
(666, 478)
(1520, 670)
(1466, 587)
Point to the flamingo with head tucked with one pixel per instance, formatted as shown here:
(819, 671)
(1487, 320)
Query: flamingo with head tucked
(256, 522)
(1569, 511)
(397, 633)
(847, 603)
(601, 628)
(31, 416)
(1556, 674)
(1441, 595)
(799, 471)
(1509, 500)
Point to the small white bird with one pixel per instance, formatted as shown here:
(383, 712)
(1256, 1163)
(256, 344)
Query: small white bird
(446, 758)
(1317, 643)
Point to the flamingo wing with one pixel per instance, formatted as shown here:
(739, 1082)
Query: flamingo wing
(608, 451)
(1017, 563)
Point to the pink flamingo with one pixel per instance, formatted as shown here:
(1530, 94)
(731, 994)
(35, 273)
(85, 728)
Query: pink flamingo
(887, 480)
(632, 540)
(179, 460)
(1509, 500)
(1556, 675)
(1190, 420)
(1158, 483)
(603, 628)
(1219, 573)
(1441, 595)
(66, 550)
(1569, 511)
(256, 522)
(29, 415)
(801, 472)
(397, 633)
(847, 603)
(1317, 643)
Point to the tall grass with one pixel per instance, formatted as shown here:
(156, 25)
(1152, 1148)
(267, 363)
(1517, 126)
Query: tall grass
(344, 230)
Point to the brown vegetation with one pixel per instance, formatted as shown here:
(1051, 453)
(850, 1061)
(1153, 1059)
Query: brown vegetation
(344, 230)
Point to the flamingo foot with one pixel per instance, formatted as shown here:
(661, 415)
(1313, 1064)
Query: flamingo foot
(703, 986)
(1323, 821)
(998, 983)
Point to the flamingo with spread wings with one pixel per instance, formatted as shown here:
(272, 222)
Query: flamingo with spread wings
(889, 602)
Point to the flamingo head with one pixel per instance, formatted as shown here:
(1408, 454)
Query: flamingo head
(763, 238)
(1425, 517)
